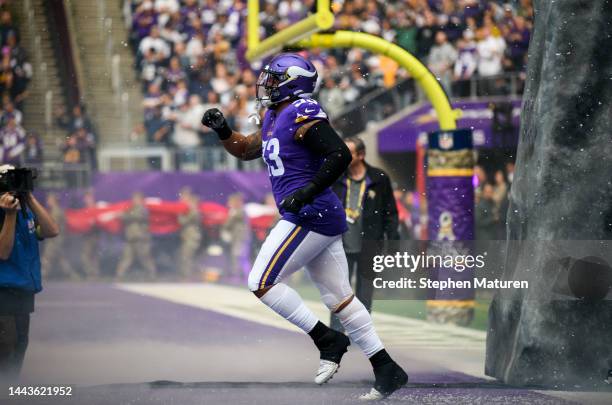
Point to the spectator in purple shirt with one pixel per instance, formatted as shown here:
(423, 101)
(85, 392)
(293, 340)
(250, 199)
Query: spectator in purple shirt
(142, 21)
(174, 73)
(450, 20)
(9, 111)
(474, 9)
(12, 139)
(189, 11)
(518, 43)
(465, 65)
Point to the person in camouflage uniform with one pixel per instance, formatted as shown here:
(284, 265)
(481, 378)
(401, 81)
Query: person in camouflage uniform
(235, 232)
(90, 258)
(137, 238)
(191, 234)
(54, 252)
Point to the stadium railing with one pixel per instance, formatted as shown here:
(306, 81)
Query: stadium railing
(374, 106)
(129, 157)
(382, 103)
(507, 84)
(60, 176)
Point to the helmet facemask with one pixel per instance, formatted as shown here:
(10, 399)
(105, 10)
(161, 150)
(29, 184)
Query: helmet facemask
(286, 77)
(267, 87)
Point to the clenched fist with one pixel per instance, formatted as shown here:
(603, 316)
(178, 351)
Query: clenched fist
(214, 119)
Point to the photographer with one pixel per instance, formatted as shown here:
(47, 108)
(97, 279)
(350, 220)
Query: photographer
(24, 221)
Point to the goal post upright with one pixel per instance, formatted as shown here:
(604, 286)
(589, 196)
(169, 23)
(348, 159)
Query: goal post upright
(322, 20)
(427, 81)
(305, 33)
(252, 25)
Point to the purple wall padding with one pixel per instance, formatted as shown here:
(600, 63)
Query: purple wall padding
(402, 135)
(211, 186)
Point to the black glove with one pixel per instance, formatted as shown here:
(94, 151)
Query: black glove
(295, 202)
(214, 119)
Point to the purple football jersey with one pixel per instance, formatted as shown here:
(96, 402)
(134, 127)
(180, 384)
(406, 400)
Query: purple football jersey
(291, 166)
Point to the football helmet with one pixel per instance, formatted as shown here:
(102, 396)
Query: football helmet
(287, 76)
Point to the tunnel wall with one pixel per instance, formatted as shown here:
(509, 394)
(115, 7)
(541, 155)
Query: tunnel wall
(562, 191)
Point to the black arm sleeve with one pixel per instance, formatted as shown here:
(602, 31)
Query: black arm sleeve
(321, 139)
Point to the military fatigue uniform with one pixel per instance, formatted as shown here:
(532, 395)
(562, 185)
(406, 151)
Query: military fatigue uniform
(90, 258)
(191, 237)
(137, 241)
(236, 230)
(54, 252)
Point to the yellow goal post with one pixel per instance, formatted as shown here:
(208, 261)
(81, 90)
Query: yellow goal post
(306, 34)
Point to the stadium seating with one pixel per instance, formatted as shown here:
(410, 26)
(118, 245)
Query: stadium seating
(190, 55)
(18, 146)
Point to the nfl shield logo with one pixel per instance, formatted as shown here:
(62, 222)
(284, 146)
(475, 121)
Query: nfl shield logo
(445, 140)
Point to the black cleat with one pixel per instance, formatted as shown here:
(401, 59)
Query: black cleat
(389, 378)
(332, 347)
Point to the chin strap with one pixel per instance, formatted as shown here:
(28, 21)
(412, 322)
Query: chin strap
(254, 119)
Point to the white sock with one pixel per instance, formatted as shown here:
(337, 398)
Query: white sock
(286, 302)
(358, 325)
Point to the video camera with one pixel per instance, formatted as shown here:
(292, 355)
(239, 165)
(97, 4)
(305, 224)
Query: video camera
(18, 181)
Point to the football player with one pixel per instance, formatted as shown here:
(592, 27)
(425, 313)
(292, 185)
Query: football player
(305, 156)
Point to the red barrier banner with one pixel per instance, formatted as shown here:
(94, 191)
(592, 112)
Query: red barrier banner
(163, 217)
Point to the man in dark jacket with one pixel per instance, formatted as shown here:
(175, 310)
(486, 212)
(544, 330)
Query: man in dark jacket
(486, 220)
(371, 216)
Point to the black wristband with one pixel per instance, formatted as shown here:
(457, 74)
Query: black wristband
(224, 132)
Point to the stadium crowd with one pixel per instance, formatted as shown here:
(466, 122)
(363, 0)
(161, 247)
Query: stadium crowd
(190, 54)
(79, 145)
(22, 147)
(18, 145)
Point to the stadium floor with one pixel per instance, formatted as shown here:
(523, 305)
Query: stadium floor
(118, 345)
